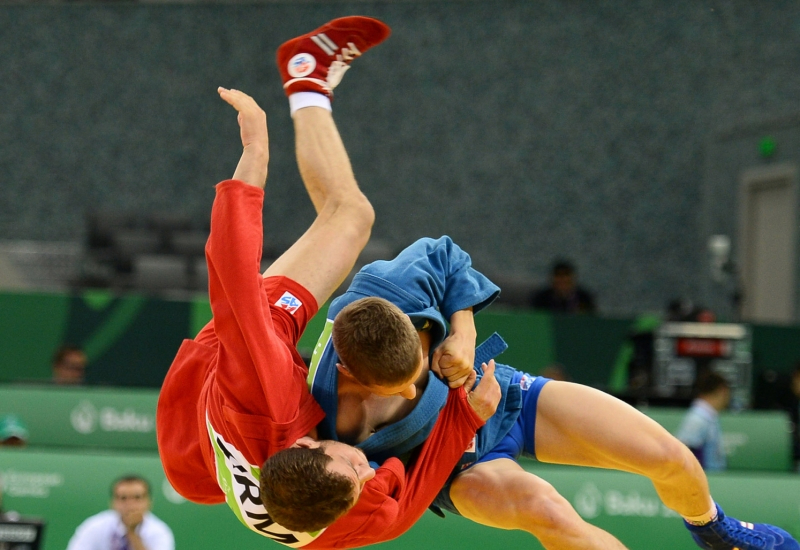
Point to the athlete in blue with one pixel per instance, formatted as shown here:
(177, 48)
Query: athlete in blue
(373, 373)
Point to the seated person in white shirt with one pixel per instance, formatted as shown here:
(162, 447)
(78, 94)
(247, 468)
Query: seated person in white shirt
(129, 525)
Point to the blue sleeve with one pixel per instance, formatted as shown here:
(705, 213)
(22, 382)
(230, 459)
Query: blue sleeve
(438, 273)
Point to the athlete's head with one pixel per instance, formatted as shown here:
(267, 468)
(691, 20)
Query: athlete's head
(309, 485)
(378, 347)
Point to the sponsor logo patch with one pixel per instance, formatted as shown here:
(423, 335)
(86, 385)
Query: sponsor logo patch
(289, 302)
(302, 64)
(525, 382)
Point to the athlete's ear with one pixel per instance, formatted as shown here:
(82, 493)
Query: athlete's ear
(344, 371)
(306, 442)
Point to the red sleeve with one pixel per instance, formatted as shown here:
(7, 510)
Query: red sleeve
(392, 502)
(252, 358)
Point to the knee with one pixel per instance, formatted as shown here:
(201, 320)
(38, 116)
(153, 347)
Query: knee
(545, 511)
(674, 459)
(533, 506)
(362, 211)
(354, 210)
(528, 504)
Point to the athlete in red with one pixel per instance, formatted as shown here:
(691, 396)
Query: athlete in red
(237, 394)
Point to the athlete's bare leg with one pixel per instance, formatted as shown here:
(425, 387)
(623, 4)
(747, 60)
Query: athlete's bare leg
(312, 65)
(322, 258)
(601, 432)
(604, 432)
(500, 494)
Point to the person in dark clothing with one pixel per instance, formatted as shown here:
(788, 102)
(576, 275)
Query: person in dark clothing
(563, 295)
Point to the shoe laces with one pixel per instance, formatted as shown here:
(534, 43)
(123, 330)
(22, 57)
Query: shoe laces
(734, 529)
(336, 73)
(349, 53)
(341, 64)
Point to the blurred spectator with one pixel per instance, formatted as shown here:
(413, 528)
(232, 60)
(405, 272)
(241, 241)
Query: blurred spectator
(12, 432)
(555, 371)
(680, 310)
(705, 315)
(700, 429)
(69, 365)
(563, 295)
(129, 525)
(683, 310)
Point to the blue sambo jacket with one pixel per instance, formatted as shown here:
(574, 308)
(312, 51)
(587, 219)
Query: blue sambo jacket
(429, 281)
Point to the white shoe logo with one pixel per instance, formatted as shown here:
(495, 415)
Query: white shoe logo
(302, 64)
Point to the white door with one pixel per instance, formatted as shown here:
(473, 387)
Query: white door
(767, 243)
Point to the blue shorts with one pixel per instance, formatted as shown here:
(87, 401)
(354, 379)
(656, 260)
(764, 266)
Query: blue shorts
(519, 441)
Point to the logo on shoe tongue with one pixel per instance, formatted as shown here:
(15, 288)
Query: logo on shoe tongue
(302, 64)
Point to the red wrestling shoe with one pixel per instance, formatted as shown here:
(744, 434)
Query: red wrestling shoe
(317, 61)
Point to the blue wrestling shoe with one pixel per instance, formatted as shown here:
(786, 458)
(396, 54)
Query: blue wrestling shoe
(726, 533)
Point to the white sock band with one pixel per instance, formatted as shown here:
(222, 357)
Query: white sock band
(301, 100)
(706, 518)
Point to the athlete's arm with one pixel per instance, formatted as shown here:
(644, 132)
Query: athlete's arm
(251, 357)
(453, 360)
(252, 167)
(395, 499)
(437, 273)
(392, 502)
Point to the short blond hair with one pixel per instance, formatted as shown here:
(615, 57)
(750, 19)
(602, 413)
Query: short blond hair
(376, 342)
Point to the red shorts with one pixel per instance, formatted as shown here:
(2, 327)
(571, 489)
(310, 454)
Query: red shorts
(291, 307)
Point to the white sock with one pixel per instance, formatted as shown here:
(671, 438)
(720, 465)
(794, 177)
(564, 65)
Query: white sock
(301, 100)
(704, 519)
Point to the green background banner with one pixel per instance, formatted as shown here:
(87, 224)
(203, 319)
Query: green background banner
(67, 488)
(84, 417)
(125, 419)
